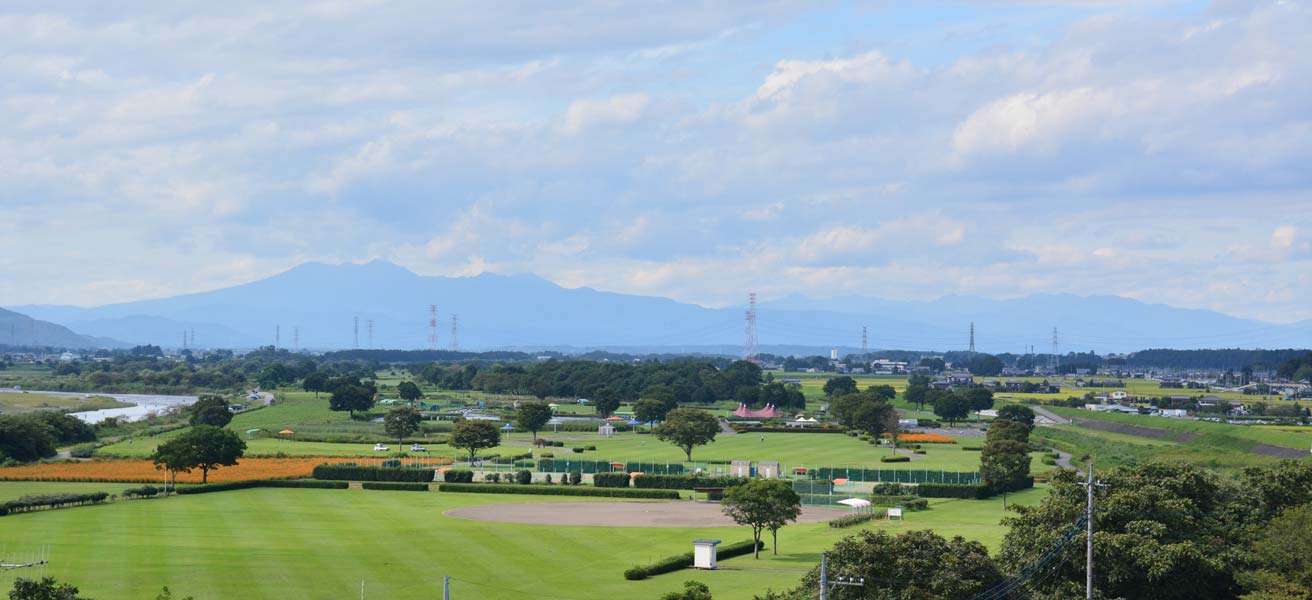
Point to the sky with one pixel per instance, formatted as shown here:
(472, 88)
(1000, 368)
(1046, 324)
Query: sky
(1158, 150)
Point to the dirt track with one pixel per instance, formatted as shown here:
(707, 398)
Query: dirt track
(620, 514)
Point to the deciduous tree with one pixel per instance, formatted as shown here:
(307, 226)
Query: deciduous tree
(210, 409)
(762, 504)
(203, 447)
(402, 421)
(473, 436)
(532, 417)
(688, 428)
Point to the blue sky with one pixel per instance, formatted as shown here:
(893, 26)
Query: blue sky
(696, 150)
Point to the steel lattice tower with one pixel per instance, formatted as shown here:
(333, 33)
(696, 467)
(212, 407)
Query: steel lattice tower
(455, 341)
(749, 341)
(972, 337)
(432, 327)
(865, 340)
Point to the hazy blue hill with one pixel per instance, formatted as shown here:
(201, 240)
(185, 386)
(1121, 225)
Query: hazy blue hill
(17, 329)
(495, 311)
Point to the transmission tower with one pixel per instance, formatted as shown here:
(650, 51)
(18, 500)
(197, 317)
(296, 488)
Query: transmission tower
(865, 341)
(193, 338)
(749, 341)
(371, 333)
(972, 337)
(355, 333)
(277, 336)
(184, 339)
(455, 340)
(432, 327)
(1054, 361)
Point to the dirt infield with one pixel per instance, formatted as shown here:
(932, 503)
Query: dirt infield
(620, 514)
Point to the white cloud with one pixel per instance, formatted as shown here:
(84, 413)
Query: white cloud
(615, 110)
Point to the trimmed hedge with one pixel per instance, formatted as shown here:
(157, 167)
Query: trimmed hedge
(972, 448)
(857, 519)
(678, 562)
(907, 502)
(396, 487)
(259, 483)
(458, 476)
(30, 503)
(553, 490)
(611, 480)
(894, 459)
(358, 473)
(684, 482)
(893, 489)
(147, 491)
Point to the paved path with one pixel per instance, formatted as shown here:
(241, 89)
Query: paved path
(726, 429)
(1063, 459)
(1049, 415)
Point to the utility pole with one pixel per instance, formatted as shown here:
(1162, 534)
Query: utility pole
(446, 587)
(825, 584)
(1088, 518)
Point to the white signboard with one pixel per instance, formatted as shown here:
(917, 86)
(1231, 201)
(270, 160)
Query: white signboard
(895, 513)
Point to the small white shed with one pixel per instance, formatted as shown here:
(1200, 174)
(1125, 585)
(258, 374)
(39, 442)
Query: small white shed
(703, 553)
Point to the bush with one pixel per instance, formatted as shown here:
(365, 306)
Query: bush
(684, 482)
(577, 450)
(554, 490)
(610, 480)
(547, 479)
(148, 491)
(575, 478)
(398, 487)
(907, 502)
(972, 448)
(547, 455)
(29, 503)
(1047, 460)
(565, 465)
(894, 459)
(893, 489)
(977, 491)
(354, 473)
(491, 477)
(82, 451)
(857, 519)
(919, 451)
(684, 561)
(459, 476)
(392, 463)
(590, 448)
(523, 477)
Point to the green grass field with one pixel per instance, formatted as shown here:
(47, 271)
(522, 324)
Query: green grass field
(286, 543)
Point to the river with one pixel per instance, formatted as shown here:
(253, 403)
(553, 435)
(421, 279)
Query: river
(145, 404)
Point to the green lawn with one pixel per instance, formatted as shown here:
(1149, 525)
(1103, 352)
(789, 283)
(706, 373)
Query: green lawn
(1288, 437)
(286, 543)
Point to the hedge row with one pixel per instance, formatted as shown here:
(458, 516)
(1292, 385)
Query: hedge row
(258, 483)
(857, 519)
(684, 482)
(29, 503)
(458, 476)
(359, 473)
(907, 502)
(555, 465)
(552, 490)
(396, 487)
(790, 430)
(894, 459)
(611, 480)
(977, 491)
(683, 561)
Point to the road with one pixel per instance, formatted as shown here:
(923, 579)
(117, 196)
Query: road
(1052, 417)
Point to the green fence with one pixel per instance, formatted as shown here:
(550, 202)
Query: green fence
(863, 475)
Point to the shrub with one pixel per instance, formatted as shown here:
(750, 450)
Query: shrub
(543, 490)
(677, 562)
(575, 478)
(399, 487)
(491, 477)
(28, 503)
(590, 448)
(148, 491)
(392, 463)
(565, 465)
(919, 451)
(458, 476)
(972, 448)
(82, 451)
(257, 483)
(577, 450)
(1047, 460)
(547, 479)
(977, 491)
(857, 519)
(352, 473)
(523, 477)
(547, 455)
(893, 489)
(610, 480)
(894, 459)
(907, 502)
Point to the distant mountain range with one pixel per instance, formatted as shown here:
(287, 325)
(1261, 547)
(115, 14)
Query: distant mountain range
(21, 330)
(316, 306)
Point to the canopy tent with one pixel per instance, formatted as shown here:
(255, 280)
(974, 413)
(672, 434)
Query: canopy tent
(507, 427)
(769, 412)
(286, 432)
(855, 503)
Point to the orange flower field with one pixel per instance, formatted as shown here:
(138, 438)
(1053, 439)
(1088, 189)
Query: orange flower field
(143, 471)
(924, 438)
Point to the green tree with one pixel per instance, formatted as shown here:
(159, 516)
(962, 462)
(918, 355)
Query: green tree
(1283, 553)
(916, 394)
(1271, 489)
(1164, 532)
(692, 590)
(315, 382)
(649, 410)
(408, 391)
(210, 409)
(981, 398)
(660, 393)
(916, 565)
(532, 417)
(762, 504)
(473, 436)
(402, 421)
(203, 447)
(25, 439)
(47, 588)
(984, 365)
(951, 408)
(351, 395)
(1018, 413)
(840, 386)
(1005, 464)
(688, 428)
(606, 399)
(883, 392)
